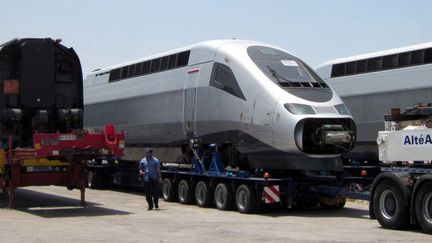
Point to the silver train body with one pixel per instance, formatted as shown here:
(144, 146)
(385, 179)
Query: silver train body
(265, 102)
(371, 84)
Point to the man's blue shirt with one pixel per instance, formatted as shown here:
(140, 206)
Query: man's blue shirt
(150, 168)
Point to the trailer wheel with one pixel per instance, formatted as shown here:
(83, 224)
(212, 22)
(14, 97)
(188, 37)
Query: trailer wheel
(203, 194)
(389, 205)
(168, 190)
(223, 196)
(245, 199)
(423, 207)
(184, 192)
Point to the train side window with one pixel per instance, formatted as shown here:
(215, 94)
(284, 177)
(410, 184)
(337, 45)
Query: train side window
(338, 70)
(145, 67)
(114, 75)
(428, 55)
(125, 72)
(183, 59)
(138, 67)
(155, 65)
(390, 61)
(172, 61)
(350, 68)
(361, 66)
(223, 78)
(417, 57)
(404, 59)
(164, 63)
(131, 71)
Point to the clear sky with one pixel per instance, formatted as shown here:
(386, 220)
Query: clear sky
(105, 32)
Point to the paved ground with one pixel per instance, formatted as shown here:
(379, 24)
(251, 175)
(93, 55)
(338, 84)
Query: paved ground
(51, 214)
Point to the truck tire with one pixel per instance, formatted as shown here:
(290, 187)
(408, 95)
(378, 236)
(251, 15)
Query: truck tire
(423, 207)
(185, 192)
(389, 207)
(203, 194)
(223, 196)
(245, 199)
(169, 192)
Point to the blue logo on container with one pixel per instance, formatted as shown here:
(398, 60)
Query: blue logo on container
(417, 140)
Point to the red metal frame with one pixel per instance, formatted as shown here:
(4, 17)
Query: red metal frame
(108, 144)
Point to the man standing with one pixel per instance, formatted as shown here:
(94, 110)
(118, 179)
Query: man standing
(149, 168)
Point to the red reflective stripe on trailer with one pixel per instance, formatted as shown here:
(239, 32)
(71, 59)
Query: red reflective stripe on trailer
(271, 194)
(268, 198)
(194, 70)
(275, 190)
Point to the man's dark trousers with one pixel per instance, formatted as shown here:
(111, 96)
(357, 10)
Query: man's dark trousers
(152, 193)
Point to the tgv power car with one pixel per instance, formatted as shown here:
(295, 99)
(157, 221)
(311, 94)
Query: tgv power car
(265, 106)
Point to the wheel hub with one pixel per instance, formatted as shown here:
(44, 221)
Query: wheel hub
(388, 204)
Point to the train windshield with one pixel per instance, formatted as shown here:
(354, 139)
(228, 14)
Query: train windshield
(283, 68)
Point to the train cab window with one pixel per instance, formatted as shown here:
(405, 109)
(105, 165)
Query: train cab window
(283, 68)
(223, 78)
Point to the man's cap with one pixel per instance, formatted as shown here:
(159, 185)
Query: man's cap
(149, 150)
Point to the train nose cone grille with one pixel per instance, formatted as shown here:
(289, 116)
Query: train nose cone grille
(325, 110)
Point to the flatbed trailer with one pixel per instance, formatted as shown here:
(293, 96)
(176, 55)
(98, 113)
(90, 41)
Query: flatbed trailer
(57, 159)
(246, 192)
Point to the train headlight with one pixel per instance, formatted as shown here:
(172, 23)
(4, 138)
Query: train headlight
(300, 109)
(342, 109)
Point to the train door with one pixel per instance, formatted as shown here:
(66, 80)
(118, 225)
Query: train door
(189, 103)
(262, 120)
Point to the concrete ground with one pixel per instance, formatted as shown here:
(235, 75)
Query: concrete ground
(52, 214)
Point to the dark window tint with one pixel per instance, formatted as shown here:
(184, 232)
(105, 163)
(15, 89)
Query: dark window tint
(172, 61)
(390, 61)
(183, 59)
(223, 78)
(428, 55)
(361, 66)
(283, 68)
(350, 68)
(338, 70)
(155, 65)
(151, 66)
(114, 74)
(374, 64)
(131, 70)
(164, 63)
(125, 72)
(138, 68)
(417, 57)
(146, 67)
(404, 59)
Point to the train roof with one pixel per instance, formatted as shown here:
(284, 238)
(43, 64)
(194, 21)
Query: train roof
(210, 45)
(377, 54)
